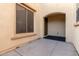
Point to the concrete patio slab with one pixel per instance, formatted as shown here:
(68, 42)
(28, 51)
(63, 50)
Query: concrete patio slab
(64, 49)
(44, 47)
(11, 53)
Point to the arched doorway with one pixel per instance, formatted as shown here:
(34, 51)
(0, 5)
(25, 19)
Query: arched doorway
(54, 26)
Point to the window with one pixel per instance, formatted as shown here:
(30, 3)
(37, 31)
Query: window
(24, 20)
(77, 12)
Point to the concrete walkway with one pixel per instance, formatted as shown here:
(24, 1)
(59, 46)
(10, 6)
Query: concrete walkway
(44, 47)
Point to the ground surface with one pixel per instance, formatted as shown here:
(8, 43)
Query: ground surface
(44, 47)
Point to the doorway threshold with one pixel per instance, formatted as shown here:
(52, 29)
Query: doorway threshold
(58, 38)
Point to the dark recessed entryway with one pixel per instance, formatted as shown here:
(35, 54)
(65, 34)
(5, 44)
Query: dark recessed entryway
(54, 26)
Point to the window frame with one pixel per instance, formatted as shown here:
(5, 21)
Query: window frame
(29, 9)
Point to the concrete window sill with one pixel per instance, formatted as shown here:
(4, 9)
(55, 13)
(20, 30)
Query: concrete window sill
(23, 35)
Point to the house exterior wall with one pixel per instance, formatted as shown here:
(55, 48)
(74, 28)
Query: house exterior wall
(8, 19)
(72, 32)
(64, 8)
(8, 28)
(56, 27)
(76, 32)
(69, 9)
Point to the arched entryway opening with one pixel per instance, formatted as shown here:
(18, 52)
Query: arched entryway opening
(54, 26)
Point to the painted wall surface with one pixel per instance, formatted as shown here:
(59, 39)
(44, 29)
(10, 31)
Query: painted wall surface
(64, 8)
(8, 19)
(76, 39)
(56, 27)
(72, 33)
(76, 33)
(8, 27)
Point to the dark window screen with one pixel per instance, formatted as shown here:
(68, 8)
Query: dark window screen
(77, 12)
(30, 21)
(24, 20)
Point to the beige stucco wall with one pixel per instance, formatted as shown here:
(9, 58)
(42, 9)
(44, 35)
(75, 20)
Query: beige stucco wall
(8, 27)
(64, 8)
(72, 32)
(56, 27)
(76, 40)
(7, 12)
(76, 33)
(7, 22)
(68, 8)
